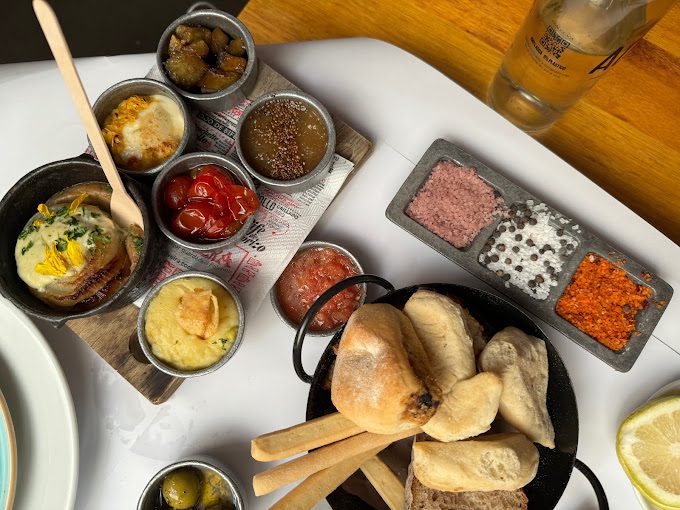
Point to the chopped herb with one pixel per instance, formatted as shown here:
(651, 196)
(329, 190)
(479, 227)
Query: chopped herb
(94, 214)
(62, 211)
(137, 242)
(224, 341)
(25, 232)
(109, 189)
(27, 247)
(75, 233)
(72, 221)
(61, 244)
(98, 235)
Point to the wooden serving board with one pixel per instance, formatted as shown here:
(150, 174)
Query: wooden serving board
(112, 334)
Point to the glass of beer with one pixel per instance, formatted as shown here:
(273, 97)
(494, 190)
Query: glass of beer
(561, 50)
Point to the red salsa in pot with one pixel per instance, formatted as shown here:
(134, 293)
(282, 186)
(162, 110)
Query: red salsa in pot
(310, 274)
(208, 204)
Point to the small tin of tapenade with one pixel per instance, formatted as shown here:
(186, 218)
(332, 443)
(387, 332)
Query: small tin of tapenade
(530, 252)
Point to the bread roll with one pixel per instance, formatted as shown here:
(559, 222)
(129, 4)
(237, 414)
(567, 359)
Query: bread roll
(521, 361)
(442, 328)
(489, 463)
(467, 410)
(381, 379)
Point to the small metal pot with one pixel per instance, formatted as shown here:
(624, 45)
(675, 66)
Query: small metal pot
(224, 99)
(181, 166)
(112, 97)
(20, 203)
(306, 246)
(151, 493)
(314, 176)
(160, 364)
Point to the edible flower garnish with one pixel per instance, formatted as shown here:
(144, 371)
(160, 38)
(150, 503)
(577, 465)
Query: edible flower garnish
(54, 263)
(74, 253)
(76, 203)
(45, 211)
(37, 223)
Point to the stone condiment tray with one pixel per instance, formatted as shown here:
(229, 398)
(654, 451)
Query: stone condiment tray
(467, 257)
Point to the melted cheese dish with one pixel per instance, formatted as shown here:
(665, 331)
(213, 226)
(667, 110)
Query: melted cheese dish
(60, 246)
(143, 131)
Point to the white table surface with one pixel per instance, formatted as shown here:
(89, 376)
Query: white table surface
(402, 105)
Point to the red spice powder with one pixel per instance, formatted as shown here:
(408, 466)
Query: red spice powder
(602, 301)
(454, 203)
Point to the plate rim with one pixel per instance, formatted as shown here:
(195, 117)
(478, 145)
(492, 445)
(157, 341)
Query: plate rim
(12, 444)
(62, 389)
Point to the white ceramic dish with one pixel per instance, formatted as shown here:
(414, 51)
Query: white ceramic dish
(8, 457)
(671, 388)
(42, 410)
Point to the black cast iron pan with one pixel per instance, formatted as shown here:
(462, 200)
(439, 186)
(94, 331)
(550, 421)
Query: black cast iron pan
(494, 313)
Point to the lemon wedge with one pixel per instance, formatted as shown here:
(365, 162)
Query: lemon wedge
(648, 447)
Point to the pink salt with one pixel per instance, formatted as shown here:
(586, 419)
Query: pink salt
(455, 204)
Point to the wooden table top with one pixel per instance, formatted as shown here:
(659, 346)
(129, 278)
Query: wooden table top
(624, 134)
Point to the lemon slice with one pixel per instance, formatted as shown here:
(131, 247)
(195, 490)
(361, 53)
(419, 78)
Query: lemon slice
(648, 447)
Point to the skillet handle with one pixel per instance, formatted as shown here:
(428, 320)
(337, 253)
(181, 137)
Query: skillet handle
(602, 502)
(317, 305)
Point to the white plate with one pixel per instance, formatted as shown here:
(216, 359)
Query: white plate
(42, 410)
(673, 387)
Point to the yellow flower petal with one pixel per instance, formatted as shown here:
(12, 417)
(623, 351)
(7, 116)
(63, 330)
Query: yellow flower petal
(76, 203)
(75, 253)
(53, 265)
(44, 210)
(37, 223)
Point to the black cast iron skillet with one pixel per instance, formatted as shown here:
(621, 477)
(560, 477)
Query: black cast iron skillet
(494, 313)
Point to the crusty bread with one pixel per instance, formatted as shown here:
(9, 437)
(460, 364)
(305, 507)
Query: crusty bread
(487, 463)
(441, 326)
(467, 410)
(521, 361)
(419, 497)
(381, 380)
(479, 339)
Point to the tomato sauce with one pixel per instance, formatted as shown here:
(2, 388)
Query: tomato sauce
(309, 275)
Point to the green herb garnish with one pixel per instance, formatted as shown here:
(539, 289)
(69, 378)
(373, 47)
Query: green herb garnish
(62, 211)
(75, 233)
(25, 232)
(137, 242)
(72, 221)
(61, 244)
(27, 247)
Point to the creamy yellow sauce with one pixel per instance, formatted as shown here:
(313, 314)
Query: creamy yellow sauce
(172, 344)
(83, 226)
(144, 131)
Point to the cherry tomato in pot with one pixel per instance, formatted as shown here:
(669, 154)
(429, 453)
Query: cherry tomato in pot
(193, 220)
(223, 227)
(175, 191)
(213, 175)
(242, 202)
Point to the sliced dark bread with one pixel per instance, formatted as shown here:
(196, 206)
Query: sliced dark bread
(419, 497)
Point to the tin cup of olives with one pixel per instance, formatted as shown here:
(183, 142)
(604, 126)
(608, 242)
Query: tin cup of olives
(192, 484)
(151, 110)
(208, 57)
(286, 140)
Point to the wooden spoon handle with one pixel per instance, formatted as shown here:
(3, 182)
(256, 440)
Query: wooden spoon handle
(55, 38)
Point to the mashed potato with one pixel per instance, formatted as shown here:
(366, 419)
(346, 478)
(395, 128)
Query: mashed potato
(169, 340)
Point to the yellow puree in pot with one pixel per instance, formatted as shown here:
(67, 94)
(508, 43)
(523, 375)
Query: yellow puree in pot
(168, 337)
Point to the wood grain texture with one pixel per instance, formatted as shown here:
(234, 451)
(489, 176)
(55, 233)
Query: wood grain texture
(109, 334)
(624, 134)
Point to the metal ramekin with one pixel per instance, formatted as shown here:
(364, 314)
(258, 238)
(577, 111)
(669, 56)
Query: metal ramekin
(183, 165)
(141, 322)
(150, 493)
(305, 246)
(314, 176)
(224, 99)
(112, 97)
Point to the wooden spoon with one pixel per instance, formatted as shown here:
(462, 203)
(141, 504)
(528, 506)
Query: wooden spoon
(124, 210)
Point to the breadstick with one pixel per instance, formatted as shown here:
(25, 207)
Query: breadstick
(321, 484)
(385, 482)
(302, 437)
(288, 472)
